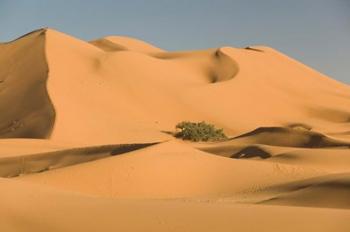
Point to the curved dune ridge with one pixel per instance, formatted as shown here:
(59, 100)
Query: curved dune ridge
(118, 43)
(43, 161)
(289, 137)
(167, 170)
(326, 191)
(86, 138)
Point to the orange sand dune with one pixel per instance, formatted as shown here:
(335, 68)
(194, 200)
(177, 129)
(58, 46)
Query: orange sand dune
(29, 207)
(86, 132)
(325, 191)
(52, 157)
(169, 170)
(118, 43)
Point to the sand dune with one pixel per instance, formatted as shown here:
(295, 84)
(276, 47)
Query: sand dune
(12, 166)
(325, 191)
(169, 170)
(86, 132)
(38, 208)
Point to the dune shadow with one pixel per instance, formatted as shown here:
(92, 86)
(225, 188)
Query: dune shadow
(25, 105)
(330, 191)
(254, 49)
(121, 149)
(251, 152)
(290, 137)
(40, 162)
(173, 133)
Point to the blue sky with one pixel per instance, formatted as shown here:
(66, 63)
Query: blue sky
(316, 32)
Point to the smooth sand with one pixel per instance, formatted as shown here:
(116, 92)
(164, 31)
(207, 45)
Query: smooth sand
(86, 140)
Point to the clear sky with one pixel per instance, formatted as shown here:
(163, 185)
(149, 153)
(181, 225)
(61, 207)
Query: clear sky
(316, 32)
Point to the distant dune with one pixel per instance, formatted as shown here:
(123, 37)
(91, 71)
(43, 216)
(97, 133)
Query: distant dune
(86, 142)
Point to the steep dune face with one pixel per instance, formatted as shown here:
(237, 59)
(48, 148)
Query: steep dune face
(26, 110)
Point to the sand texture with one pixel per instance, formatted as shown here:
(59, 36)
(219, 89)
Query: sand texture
(86, 139)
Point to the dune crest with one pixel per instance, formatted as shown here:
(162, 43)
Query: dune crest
(116, 43)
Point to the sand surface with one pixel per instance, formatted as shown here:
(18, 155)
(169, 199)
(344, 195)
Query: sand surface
(86, 139)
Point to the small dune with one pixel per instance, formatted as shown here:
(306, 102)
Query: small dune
(331, 191)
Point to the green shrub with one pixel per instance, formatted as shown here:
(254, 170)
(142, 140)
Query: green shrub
(200, 131)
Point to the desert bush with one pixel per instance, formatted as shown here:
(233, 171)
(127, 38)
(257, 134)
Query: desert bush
(199, 131)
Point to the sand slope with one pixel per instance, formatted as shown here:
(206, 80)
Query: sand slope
(330, 191)
(169, 170)
(86, 132)
(28, 207)
(26, 110)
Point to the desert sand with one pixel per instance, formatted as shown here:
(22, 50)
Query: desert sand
(86, 139)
